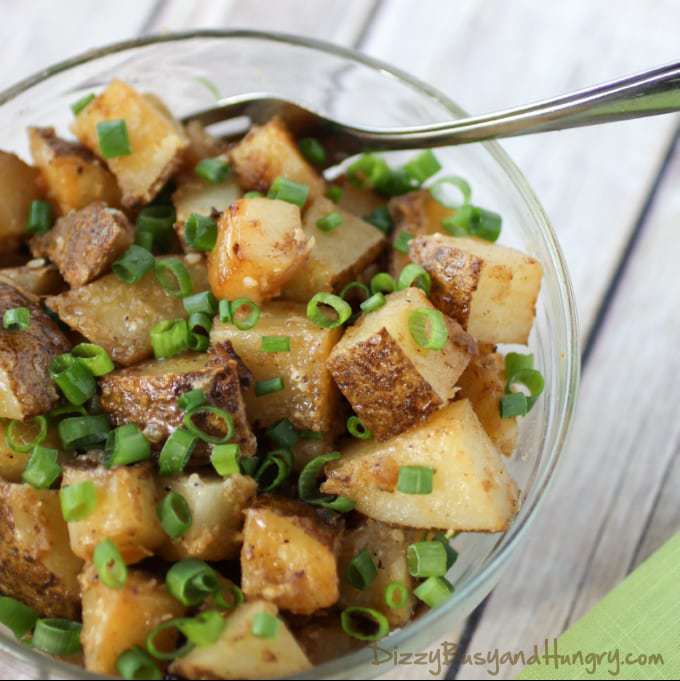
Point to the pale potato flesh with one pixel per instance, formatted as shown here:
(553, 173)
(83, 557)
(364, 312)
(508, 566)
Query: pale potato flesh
(12, 463)
(36, 277)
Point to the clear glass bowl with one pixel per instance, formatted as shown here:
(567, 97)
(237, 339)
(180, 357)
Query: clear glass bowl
(351, 87)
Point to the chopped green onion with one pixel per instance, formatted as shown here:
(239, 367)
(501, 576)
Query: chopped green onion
(283, 434)
(78, 501)
(252, 312)
(375, 302)
(203, 629)
(126, 445)
(158, 218)
(423, 166)
(57, 636)
(248, 465)
(206, 410)
(173, 277)
(268, 386)
(200, 322)
(198, 342)
(516, 361)
(401, 242)
(415, 480)
(414, 275)
(329, 222)
(40, 217)
(438, 192)
(310, 435)
(113, 138)
(169, 338)
(224, 459)
(312, 150)
(451, 553)
(315, 313)
(176, 452)
(356, 621)
(83, 432)
(21, 445)
(133, 264)
(145, 239)
(110, 565)
(80, 104)
(94, 357)
(396, 595)
(264, 625)
(275, 344)
(284, 189)
(73, 378)
(434, 591)
(136, 664)
(426, 559)
(163, 654)
(361, 572)
(42, 469)
(532, 380)
(353, 286)
(395, 183)
(383, 283)
(191, 581)
(200, 232)
(274, 470)
(253, 195)
(66, 410)
(193, 398)
(356, 428)
(214, 170)
(17, 617)
(224, 311)
(174, 514)
(236, 597)
(334, 193)
(368, 171)
(474, 221)
(308, 485)
(514, 404)
(203, 302)
(428, 328)
(381, 219)
(16, 319)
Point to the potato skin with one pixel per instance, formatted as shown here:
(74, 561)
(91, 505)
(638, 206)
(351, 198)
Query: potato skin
(36, 277)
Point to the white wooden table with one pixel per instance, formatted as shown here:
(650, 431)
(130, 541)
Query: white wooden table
(613, 194)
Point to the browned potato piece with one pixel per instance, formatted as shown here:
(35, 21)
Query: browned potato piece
(120, 316)
(260, 245)
(72, 175)
(217, 507)
(147, 394)
(115, 620)
(309, 398)
(125, 512)
(483, 383)
(156, 140)
(471, 490)
(387, 547)
(289, 556)
(269, 151)
(36, 277)
(37, 565)
(26, 388)
(391, 382)
(12, 463)
(239, 654)
(84, 243)
(19, 183)
(323, 640)
(201, 144)
(306, 449)
(490, 289)
(358, 200)
(337, 257)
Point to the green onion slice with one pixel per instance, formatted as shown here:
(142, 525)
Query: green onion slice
(224, 311)
(210, 413)
(78, 500)
(169, 338)
(173, 277)
(434, 591)
(126, 445)
(42, 469)
(110, 565)
(365, 624)
(235, 596)
(16, 319)
(284, 189)
(401, 242)
(264, 625)
(191, 399)
(439, 193)
(353, 286)
(274, 470)
(423, 166)
(244, 313)
(40, 217)
(203, 629)
(375, 302)
(191, 581)
(381, 219)
(167, 655)
(283, 434)
(16, 616)
(80, 104)
(275, 344)
(94, 357)
(315, 312)
(136, 663)
(426, 559)
(203, 302)
(113, 138)
(56, 636)
(253, 195)
(383, 283)
(225, 459)
(329, 222)
(73, 378)
(334, 193)
(428, 328)
(83, 432)
(268, 386)
(174, 514)
(396, 595)
(200, 232)
(308, 485)
(356, 428)
(415, 480)
(133, 264)
(451, 553)
(17, 442)
(414, 275)
(513, 404)
(176, 452)
(532, 380)
(474, 221)
(213, 170)
(361, 572)
(312, 150)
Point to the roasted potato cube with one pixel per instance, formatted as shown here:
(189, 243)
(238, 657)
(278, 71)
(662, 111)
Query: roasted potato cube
(35, 277)
(260, 245)
(37, 565)
(358, 200)
(217, 506)
(387, 547)
(201, 144)
(115, 620)
(147, 394)
(323, 639)
(490, 289)
(471, 490)
(391, 382)
(483, 383)
(20, 187)
(12, 463)
(338, 256)
(120, 316)
(125, 512)
(269, 151)
(309, 397)
(84, 243)
(239, 654)
(289, 556)
(306, 449)
(156, 140)
(72, 175)
(26, 388)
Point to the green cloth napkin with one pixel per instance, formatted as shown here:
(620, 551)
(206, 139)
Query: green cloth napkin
(640, 618)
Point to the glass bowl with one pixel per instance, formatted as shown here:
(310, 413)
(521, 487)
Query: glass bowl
(183, 68)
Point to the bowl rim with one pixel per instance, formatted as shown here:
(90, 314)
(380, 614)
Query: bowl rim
(544, 477)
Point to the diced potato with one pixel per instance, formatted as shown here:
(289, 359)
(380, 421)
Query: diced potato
(337, 257)
(391, 382)
(490, 289)
(36, 277)
(157, 141)
(358, 200)
(84, 243)
(12, 463)
(147, 394)
(37, 565)
(483, 383)
(19, 183)
(471, 489)
(387, 547)
(309, 397)
(418, 214)
(72, 175)
(269, 151)
(125, 512)
(26, 388)
(217, 506)
(239, 654)
(306, 449)
(120, 316)
(115, 620)
(323, 639)
(260, 245)
(289, 556)
(201, 144)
